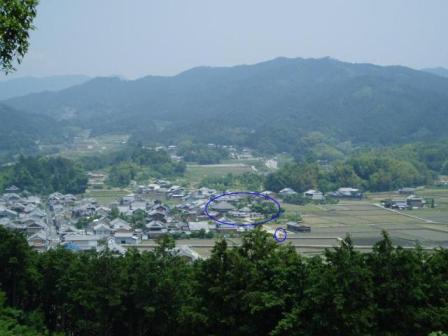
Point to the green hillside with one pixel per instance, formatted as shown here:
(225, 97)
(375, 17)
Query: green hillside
(23, 132)
(269, 106)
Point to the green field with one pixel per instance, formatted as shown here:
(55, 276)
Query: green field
(195, 173)
(85, 145)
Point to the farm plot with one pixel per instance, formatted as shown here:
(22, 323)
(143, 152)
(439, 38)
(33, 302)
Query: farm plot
(195, 173)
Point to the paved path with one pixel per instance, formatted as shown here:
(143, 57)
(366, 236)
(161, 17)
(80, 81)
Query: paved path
(405, 214)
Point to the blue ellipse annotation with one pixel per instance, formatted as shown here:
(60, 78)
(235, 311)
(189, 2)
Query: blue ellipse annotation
(248, 193)
(282, 238)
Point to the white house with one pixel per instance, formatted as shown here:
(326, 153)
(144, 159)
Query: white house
(102, 229)
(287, 191)
(119, 223)
(314, 195)
(38, 241)
(125, 238)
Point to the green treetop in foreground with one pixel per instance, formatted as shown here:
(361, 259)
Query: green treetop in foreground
(16, 21)
(259, 288)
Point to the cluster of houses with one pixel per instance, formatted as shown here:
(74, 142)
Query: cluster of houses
(408, 201)
(316, 195)
(83, 224)
(151, 211)
(24, 213)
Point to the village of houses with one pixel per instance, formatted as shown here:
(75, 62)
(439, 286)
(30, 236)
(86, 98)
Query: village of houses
(50, 222)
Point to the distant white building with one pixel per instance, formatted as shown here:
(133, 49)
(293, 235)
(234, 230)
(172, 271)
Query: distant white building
(38, 241)
(287, 191)
(198, 226)
(119, 223)
(125, 238)
(314, 195)
(348, 191)
(102, 230)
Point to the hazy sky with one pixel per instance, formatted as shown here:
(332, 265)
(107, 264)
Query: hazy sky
(134, 38)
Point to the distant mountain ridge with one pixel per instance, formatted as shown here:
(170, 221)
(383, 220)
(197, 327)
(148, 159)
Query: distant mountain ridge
(16, 87)
(269, 105)
(439, 71)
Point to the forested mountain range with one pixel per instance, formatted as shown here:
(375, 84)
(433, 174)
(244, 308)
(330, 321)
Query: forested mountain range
(25, 85)
(270, 106)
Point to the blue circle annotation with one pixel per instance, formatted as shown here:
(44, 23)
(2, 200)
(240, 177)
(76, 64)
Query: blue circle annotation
(280, 235)
(237, 194)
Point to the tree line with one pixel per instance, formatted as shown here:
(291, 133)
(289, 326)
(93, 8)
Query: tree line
(201, 153)
(373, 170)
(42, 175)
(259, 288)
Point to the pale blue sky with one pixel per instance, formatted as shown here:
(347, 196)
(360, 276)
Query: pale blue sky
(134, 38)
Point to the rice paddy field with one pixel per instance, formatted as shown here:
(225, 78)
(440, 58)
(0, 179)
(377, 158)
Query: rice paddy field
(365, 220)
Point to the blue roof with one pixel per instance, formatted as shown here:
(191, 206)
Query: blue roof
(72, 246)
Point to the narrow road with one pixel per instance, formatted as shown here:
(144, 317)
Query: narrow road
(53, 237)
(405, 214)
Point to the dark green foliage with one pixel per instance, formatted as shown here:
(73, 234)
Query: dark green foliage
(14, 322)
(16, 264)
(373, 170)
(264, 207)
(298, 199)
(298, 176)
(122, 174)
(83, 222)
(138, 219)
(46, 175)
(16, 21)
(259, 288)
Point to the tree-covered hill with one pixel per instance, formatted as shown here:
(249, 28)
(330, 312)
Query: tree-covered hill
(269, 105)
(22, 132)
(42, 175)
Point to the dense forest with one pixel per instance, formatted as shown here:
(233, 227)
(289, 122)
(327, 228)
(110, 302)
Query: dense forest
(41, 175)
(260, 288)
